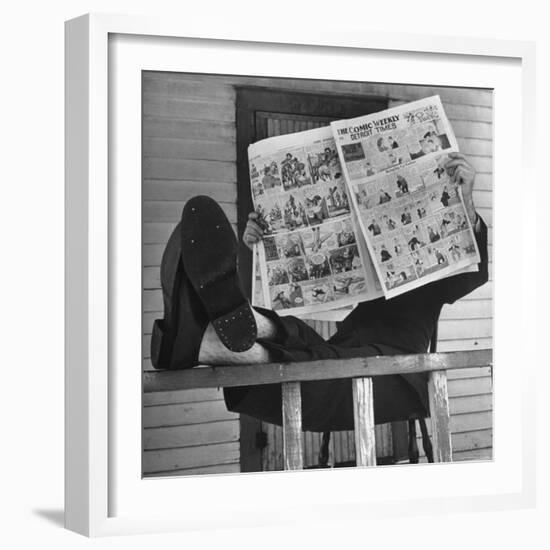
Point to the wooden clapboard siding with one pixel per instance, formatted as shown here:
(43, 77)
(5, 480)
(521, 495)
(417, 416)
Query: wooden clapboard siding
(184, 148)
(187, 169)
(158, 105)
(189, 148)
(182, 190)
(472, 146)
(166, 460)
(168, 437)
(465, 328)
(167, 127)
(465, 344)
(468, 310)
(177, 414)
(180, 396)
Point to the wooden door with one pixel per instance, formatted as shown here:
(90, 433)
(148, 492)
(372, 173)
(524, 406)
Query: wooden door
(261, 114)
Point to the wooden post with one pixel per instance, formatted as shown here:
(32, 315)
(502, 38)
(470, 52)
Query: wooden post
(363, 412)
(439, 413)
(292, 426)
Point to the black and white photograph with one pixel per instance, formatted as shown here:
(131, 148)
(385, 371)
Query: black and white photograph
(199, 222)
(176, 398)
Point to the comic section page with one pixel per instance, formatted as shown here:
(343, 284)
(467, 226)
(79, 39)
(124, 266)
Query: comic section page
(411, 215)
(312, 257)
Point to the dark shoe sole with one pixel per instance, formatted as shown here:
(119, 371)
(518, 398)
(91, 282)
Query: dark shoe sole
(209, 253)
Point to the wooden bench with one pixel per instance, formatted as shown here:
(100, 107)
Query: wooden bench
(360, 369)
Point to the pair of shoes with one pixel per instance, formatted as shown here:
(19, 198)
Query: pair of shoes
(200, 285)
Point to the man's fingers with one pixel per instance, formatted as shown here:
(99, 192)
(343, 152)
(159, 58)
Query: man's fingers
(454, 174)
(456, 155)
(254, 227)
(252, 236)
(250, 240)
(253, 216)
(250, 244)
(460, 175)
(452, 170)
(456, 162)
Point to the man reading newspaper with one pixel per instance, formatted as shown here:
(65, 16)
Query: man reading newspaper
(208, 320)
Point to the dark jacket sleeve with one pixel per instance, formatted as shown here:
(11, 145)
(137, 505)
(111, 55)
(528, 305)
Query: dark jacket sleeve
(453, 288)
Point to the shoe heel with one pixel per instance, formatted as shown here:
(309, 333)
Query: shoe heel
(237, 330)
(161, 345)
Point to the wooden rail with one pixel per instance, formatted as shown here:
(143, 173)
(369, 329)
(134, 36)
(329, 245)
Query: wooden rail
(326, 369)
(360, 369)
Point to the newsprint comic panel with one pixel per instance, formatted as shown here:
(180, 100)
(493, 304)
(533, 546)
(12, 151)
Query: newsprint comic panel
(411, 215)
(258, 298)
(312, 258)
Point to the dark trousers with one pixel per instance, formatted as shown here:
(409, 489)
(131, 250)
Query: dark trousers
(327, 404)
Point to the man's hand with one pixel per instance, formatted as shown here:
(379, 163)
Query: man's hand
(253, 233)
(462, 173)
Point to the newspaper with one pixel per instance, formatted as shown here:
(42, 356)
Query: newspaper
(412, 216)
(352, 205)
(313, 257)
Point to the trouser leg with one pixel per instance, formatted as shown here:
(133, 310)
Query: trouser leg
(326, 404)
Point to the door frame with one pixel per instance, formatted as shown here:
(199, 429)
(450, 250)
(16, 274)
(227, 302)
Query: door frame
(249, 101)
